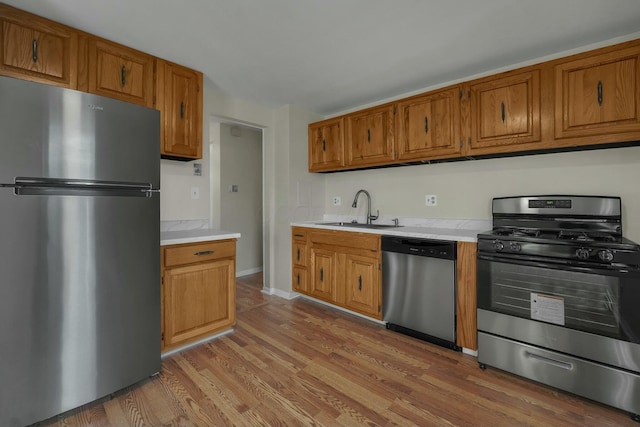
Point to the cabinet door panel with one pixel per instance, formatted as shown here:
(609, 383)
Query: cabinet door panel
(363, 285)
(180, 102)
(505, 113)
(370, 137)
(326, 145)
(429, 126)
(198, 300)
(120, 72)
(598, 94)
(300, 280)
(37, 49)
(323, 282)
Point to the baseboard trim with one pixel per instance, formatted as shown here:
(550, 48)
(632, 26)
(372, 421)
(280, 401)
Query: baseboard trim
(195, 343)
(346, 310)
(470, 352)
(280, 293)
(249, 271)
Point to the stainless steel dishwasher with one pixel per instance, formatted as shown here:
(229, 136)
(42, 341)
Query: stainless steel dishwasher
(419, 288)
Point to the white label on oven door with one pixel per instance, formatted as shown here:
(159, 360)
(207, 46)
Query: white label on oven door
(547, 308)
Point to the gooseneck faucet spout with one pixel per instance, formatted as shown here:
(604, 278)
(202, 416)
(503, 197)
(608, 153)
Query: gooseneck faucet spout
(355, 205)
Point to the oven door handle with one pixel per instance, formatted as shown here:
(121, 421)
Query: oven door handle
(560, 265)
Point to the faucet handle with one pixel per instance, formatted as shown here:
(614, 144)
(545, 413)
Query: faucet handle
(374, 217)
(395, 222)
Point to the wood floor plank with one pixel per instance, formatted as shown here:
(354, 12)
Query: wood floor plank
(301, 363)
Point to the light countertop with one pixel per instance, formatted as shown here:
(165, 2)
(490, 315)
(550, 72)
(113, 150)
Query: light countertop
(176, 237)
(455, 234)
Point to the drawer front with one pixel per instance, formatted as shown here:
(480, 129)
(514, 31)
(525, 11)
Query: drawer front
(582, 377)
(298, 233)
(199, 252)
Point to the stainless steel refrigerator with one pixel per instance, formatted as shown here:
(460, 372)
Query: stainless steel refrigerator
(79, 248)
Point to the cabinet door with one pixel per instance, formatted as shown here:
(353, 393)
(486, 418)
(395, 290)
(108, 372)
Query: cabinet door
(300, 280)
(363, 285)
(119, 72)
(179, 92)
(198, 300)
(505, 111)
(323, 281)
(598, 94)
(326, 145)
(370, 137)
(429, 125)
(37, 49)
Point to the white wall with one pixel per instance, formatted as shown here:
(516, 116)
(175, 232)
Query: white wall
(241, 154)
(465, 189)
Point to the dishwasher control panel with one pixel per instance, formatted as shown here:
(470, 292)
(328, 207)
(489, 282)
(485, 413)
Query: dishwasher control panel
(444, 249)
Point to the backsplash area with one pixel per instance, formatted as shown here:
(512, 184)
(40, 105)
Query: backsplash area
(180, 225)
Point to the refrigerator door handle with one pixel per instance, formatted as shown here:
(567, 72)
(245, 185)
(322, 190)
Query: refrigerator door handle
(60, 186)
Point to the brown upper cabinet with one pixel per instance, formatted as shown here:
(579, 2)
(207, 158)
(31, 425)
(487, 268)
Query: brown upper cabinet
(505, 111)
(598, 95)
(179, 92)
(591, 98)
(120, 72)
(429, 125)
(369, 136)
(326, 145)
(37, 49)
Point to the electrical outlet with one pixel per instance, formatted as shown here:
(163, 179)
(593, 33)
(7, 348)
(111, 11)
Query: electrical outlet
(431, 200)
(337, 201)
(195, 193)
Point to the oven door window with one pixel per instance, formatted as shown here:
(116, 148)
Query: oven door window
(591, 300)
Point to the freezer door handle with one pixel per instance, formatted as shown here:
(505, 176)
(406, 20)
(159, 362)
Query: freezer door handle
(61, 186)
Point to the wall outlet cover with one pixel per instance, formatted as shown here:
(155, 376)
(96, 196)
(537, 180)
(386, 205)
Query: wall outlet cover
(431, 200)
(337, 201)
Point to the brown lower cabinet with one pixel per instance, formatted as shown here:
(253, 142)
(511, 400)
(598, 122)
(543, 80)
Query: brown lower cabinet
(344, 268)
(339, 267)
(198, 290)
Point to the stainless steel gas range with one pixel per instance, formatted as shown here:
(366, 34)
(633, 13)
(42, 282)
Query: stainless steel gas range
(559, 296)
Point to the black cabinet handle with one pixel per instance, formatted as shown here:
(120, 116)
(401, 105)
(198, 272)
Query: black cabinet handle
(123, 76)
(298, 254)
(368, 135)
(600, 92)
(298, 279)
(204, 253)
(502, 111)
(324, 145)
(321, 274)
(360, 283)
(34, 50)
(426, 124)
(299, 235)
(182, 110)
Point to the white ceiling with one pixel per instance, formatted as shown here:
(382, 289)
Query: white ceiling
(333, 55)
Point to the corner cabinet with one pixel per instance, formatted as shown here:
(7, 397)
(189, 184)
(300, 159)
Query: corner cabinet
(119, 72)
(429, 125)
(598, 95)
(179, 99)
(344, 268)
(198, 291)
(369, 137)
(326, 145)
(36, 49)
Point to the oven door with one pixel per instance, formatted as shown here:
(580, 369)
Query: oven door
(598, 300)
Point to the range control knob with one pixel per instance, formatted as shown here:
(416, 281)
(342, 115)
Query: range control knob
(582, 253)
(515, 246)
(498, 245)
(605, 255)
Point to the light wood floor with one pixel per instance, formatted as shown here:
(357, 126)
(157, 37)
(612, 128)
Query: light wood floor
(299, 363)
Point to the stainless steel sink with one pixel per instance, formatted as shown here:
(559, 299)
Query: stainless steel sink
(358, 225)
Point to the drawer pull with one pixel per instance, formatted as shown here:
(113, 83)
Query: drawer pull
(299, 235)
(34, 50)
(554, 362)
(203, 253)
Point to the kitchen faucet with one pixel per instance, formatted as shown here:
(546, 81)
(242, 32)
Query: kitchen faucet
(355, 205)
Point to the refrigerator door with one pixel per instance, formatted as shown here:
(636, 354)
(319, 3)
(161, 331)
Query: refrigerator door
(50, 132)
(79, 250)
